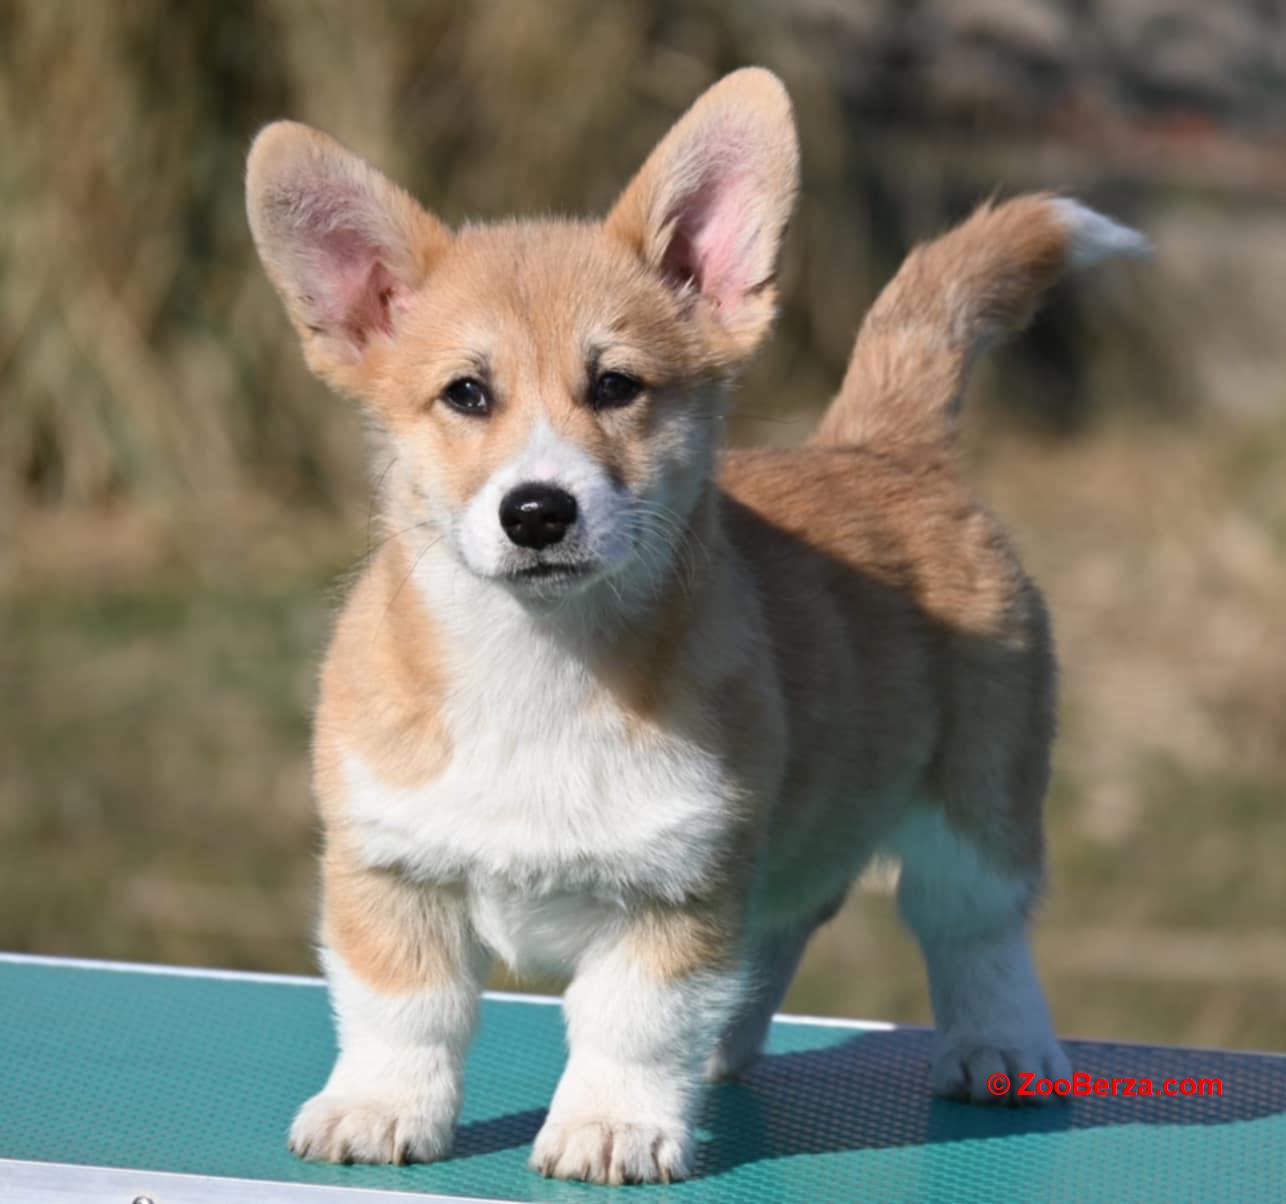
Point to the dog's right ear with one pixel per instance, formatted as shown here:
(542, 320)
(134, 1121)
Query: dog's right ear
(344, 246)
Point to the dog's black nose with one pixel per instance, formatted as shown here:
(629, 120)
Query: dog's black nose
(534, 516)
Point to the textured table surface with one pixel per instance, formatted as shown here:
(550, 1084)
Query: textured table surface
(199, 1075)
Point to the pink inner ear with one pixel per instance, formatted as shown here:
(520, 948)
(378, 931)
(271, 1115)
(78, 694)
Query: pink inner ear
(356, 293)
(714, 236)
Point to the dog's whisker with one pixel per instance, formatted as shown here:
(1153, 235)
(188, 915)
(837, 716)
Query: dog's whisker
(374, 549)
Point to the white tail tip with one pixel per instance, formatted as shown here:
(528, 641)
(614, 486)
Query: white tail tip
(1095, 238)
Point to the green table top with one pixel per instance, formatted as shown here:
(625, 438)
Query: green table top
(198, 1074)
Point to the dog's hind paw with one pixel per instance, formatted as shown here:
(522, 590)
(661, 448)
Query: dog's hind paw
(988, 1074)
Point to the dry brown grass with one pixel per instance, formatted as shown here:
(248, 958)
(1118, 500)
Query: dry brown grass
(141, 355)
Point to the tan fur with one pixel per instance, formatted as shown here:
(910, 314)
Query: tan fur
(380, 684)
(951, 299)
(394, 936)
(673, 943)
(505, 294)
(933, 644)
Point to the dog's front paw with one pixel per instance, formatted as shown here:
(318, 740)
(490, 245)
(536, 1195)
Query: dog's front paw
(606, 1151)
(985, 1072)
(340, 1128)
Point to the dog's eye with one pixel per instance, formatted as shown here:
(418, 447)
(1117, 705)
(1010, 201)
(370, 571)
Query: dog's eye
(611, 389)
(467, 395)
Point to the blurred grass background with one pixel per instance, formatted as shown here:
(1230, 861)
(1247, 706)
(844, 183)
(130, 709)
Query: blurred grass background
(178, 499)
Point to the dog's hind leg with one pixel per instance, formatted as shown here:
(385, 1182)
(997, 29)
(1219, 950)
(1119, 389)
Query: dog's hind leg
(774, 957)
(970, 916)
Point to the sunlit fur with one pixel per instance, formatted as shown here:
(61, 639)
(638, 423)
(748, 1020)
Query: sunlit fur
(659, 768)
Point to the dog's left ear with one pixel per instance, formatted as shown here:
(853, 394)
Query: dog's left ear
(709, 207)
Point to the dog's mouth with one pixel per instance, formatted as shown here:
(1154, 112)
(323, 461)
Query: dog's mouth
(551, 572)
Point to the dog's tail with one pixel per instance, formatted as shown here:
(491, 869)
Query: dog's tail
(953, 298)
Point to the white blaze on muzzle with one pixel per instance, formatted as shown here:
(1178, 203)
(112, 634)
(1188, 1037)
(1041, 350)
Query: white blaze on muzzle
(599, 536)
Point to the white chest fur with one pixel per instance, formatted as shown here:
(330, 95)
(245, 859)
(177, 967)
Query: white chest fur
(585, 809)
(552, 800)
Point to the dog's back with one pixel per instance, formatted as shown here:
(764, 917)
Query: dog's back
(914, 652)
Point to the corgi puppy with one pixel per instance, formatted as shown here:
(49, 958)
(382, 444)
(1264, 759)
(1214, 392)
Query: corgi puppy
(613, 702)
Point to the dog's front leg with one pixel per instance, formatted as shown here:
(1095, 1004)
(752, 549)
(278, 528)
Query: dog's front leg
(643, 1016)
(405, 972)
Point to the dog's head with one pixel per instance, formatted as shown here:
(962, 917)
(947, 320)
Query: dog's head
(551, 389)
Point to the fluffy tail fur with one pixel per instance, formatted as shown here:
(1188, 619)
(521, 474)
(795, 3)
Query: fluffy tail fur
(954, 297)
